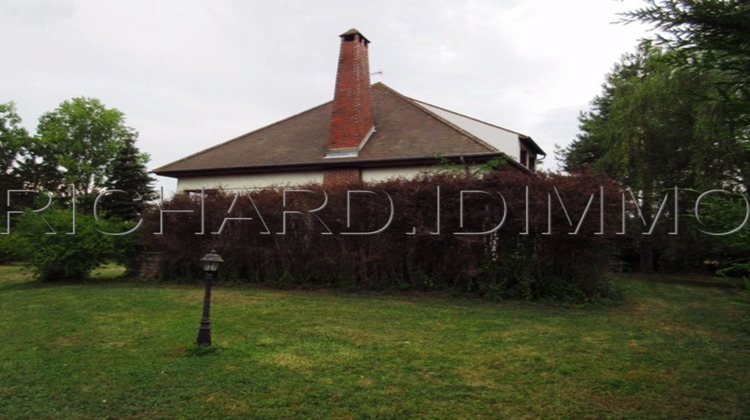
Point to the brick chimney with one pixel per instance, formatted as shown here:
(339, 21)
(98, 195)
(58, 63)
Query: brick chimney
(351, 118)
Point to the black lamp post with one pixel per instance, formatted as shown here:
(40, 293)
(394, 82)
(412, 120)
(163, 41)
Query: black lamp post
(211, 262)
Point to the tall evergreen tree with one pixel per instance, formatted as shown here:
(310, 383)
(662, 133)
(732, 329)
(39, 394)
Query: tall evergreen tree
(709, 34)
(128, 174)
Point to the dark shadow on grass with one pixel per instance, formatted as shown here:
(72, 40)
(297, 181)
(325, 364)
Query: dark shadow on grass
(124, 281)
(198, 350)
(692, 280)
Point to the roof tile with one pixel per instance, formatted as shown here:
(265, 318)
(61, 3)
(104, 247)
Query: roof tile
(402, 130)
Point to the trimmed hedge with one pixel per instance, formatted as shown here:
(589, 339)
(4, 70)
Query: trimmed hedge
(532, 255)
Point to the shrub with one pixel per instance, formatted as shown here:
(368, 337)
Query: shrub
(417, 250)
(48, 243)
(8, 250)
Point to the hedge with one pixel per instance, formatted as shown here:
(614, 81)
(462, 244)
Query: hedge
(440, 232)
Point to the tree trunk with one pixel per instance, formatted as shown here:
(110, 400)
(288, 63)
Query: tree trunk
(646, 262)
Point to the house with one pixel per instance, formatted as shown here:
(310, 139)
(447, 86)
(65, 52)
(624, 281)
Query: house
(367, 133)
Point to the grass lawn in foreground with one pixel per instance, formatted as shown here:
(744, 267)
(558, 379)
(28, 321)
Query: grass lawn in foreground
(121, 349)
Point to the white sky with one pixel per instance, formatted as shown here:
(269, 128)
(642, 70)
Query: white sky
(192, 73)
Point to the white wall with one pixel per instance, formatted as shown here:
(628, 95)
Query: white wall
(250, 181)
(292, 178)
(289, 179)
(384, 174)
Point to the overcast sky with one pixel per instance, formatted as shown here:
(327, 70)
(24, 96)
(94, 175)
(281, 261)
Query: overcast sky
(192, 73)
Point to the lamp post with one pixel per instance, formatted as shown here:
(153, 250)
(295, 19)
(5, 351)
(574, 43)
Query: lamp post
(211, 262)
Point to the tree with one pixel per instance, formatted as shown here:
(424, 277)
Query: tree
(86, 146)
(712, 33)
(13, 138)
(128, 174)
(75, 146)
(710, 36)
(657, 126)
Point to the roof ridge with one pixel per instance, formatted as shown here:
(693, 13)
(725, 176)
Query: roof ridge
(411, 102)
(162, 168)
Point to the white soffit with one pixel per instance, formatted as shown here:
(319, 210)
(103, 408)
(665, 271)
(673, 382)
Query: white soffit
(503, 140)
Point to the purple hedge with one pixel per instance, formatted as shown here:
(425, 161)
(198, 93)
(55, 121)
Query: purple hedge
(505, 235)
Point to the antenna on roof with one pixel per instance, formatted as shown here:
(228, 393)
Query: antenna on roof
(377, 73)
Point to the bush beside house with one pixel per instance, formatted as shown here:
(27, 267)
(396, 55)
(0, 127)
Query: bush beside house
(532, 255)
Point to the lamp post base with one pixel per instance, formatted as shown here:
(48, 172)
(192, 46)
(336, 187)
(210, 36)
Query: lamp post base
(204, 333)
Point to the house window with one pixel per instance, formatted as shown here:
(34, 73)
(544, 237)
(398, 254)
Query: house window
(524, 158)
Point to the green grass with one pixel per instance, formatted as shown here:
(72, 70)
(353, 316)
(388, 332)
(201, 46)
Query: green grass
(118, 349)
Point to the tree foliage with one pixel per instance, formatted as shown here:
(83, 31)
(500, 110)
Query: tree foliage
(59, 248)
(75, 146)
(709, 33)
(657, 126)
(13, 138)
(710, 37)
(130, 177)
(84, 145)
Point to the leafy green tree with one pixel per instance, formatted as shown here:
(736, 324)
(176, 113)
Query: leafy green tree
(128, 174)
(13, 138)
(657, 126)
(710, 36)
(76, 145)
(84, 145)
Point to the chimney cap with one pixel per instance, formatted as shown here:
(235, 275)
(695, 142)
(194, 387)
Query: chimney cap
(354, 31)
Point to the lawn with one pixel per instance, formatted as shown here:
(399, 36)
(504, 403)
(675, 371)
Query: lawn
(123, 349)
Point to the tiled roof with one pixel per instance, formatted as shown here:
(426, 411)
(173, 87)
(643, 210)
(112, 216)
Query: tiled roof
(403, 130)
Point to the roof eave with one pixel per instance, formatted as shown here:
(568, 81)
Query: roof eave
(469, 158)
(530, 143)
